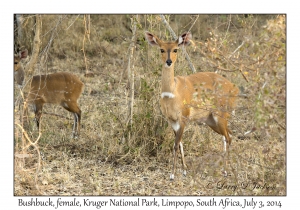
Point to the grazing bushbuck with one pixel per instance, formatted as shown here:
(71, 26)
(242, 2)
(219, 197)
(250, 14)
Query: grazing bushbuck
(18, 68)
(203, 97)
(60, 88)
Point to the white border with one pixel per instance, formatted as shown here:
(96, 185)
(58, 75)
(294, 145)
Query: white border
(8, 201)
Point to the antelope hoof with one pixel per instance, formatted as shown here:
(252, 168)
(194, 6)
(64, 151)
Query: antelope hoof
(172, 177)
(74, 136)
(184, 173)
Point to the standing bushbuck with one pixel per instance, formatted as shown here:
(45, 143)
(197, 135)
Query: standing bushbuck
(18, 68)
(203, 97)
(60, 88)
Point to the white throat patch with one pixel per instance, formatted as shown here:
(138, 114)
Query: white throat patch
(167, 94)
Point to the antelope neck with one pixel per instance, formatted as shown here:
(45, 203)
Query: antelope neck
(168, 82)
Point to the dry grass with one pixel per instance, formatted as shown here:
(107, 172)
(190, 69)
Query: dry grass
(111, 157)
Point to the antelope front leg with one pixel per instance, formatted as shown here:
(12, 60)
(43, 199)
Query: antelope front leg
(178, 130)
(182, 159)
(38, 109)
(226, 155)
(75, 132)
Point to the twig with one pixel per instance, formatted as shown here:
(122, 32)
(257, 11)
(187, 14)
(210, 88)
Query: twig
(241, 65)
(36, 46)
(72, 22)
(35, 145)
(131, 71)
(54, 33)
(193, 23)
(241, 71)
(216, 65)
(86, 34)
(236, 49)
(57, 115)
(281, 126)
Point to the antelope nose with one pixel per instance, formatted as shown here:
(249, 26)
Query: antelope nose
(169, 62)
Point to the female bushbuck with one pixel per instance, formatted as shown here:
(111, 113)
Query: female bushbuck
(60, 88)
(203, 97)
(18, 68)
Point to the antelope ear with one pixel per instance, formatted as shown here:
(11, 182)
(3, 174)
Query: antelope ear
(184, 39)
(152, 39)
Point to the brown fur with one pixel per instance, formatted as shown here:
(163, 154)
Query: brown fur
(60, 88)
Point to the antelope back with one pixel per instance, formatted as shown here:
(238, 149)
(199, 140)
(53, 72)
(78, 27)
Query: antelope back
(18, 68)
(215, 89)
(55, 88)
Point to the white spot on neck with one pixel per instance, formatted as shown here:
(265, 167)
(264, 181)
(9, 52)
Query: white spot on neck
(167, 94)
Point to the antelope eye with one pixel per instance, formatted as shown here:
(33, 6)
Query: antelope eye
(16, 62)
(175, 51)
(162, 51)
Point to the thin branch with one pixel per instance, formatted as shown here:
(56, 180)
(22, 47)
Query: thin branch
(244, 76)
(54, 34)
(193, 23)
(72, 22)
(35, 145)
(226, 33)
(239, 68)
(57, 115)
(217, 66)
(86, 34)
(36, 46)
(130, 70)
(281, 126)
(236, 49)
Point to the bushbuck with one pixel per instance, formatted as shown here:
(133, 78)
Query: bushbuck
(203, 97)
(60, 88)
